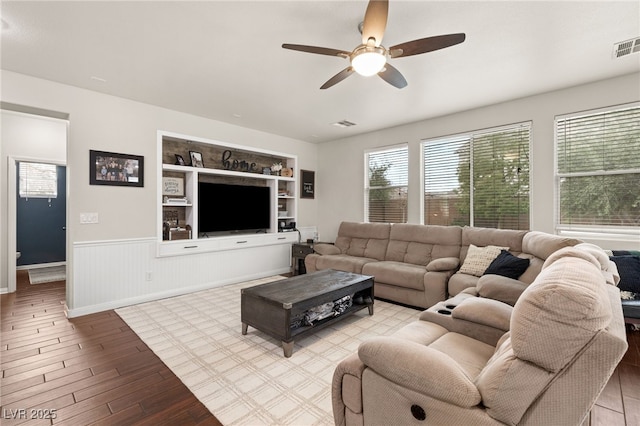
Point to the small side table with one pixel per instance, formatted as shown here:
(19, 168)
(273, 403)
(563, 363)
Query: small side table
(298, 252)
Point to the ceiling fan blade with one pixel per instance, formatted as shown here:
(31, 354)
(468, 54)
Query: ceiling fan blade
(392, 76)
(425, 45)
(338, 77)
(375, 21)
(318, 50)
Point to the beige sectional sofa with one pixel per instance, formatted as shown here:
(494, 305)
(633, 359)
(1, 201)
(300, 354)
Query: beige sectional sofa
(411, 263)
(418, 265)
(564, 337)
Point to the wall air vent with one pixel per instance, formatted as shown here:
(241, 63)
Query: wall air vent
(344, 123)
(626, 47)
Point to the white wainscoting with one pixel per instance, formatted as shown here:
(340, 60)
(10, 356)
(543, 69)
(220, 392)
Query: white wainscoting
(112, 274)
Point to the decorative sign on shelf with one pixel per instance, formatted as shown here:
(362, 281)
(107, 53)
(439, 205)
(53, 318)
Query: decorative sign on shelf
(172, 186)
(234, 164)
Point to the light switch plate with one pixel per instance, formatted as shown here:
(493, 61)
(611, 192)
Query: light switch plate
(88, 217)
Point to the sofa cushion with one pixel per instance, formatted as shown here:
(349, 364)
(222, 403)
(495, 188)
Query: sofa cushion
(343, 262)
(497, 287)
(542, 245)
(482, 237)
(363, 239)
(507, 265)
(561, 311)
(629, 271)
(420, 244)
(459, 282)
(397, 273)
(554, 319)
(478, 259)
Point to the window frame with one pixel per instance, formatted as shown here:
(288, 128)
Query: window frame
(368, 187)
(608, 232)
(468, 137)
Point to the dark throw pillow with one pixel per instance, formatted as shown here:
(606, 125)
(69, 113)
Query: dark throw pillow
(629, 270)
(507, 265)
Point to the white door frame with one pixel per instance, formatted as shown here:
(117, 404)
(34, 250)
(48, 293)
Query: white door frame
(12, 219)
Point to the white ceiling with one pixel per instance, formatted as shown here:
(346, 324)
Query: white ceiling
(223, 60)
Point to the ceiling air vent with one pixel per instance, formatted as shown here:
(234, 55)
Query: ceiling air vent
(344, 123)
(626, 47)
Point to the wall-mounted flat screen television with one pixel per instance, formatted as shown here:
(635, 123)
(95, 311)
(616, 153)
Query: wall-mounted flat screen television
(224, 208)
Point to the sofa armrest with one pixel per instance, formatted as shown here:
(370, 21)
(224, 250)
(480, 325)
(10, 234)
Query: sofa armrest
(489, 312)
(470, 290)
(420, 368)
(346, 388)
(500, 288)
(326, 249)
(443, 264)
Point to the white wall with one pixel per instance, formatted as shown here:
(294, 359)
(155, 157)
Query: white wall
(108, 123)
(25, 136)
(340, 177)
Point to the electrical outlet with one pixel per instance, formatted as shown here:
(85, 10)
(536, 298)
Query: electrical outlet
(149, 276)
(88, 217)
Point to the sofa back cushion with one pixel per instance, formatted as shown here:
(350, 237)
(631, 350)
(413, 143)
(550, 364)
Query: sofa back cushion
(363, 239)
(552, 322)
(482, 237)
(537, 247)
(420, 244)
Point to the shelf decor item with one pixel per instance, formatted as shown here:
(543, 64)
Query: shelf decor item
(276, 168)
(196, 159)
(173, 186)
(180, 160)
(110, 168)
(286, 172)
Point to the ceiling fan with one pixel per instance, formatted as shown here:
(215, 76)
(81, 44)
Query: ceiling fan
(371, 57)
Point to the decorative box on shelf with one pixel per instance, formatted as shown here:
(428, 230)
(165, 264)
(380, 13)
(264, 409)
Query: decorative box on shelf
(177, 233)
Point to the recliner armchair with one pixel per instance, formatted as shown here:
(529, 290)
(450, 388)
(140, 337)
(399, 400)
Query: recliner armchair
(566, 336)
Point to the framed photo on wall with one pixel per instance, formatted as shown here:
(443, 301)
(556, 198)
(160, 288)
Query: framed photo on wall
(307, 184)
(110, 168)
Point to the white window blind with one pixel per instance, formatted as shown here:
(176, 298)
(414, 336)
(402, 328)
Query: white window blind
(386, 185)
(598, 170)
(37, 180)
(478, 179)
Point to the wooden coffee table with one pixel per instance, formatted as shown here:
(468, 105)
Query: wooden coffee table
(274, 307)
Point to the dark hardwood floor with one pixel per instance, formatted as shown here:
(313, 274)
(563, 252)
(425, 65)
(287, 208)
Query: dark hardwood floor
(87, 370)
(95, 370)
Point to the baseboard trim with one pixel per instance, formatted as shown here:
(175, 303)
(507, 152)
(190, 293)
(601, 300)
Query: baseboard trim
(87, 310)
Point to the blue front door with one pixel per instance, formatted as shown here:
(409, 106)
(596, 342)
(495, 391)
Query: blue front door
(41, 233)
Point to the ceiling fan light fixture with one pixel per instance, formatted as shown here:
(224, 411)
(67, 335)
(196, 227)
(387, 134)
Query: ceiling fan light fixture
(368, 60)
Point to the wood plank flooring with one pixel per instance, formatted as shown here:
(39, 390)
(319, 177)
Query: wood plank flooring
(95, 370)
(88, 370)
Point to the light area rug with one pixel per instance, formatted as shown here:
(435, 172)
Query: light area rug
(48, 274)
(246, 380)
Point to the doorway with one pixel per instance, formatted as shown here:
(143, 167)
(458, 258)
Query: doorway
(13, 220)
(40, 215)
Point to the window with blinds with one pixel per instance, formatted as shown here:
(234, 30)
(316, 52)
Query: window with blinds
(37, 180)
(386, 185)
(478, 179)
(598, 170)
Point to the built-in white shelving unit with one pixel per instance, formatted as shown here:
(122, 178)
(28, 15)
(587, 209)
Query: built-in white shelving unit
(223, 163)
